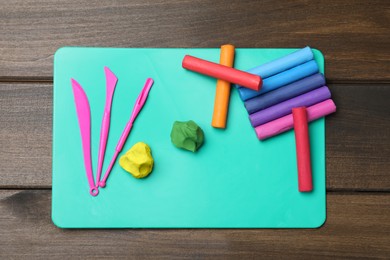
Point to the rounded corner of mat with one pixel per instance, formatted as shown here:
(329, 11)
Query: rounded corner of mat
(321, 221)
(57, 221)
(318, 54)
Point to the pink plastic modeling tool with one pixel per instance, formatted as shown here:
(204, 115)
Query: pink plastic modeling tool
(137, 108)
(111, 81)
(84, 117)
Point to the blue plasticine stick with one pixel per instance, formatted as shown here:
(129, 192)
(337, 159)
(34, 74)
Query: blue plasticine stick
(284, 63)
(281, 79)
(281, 94)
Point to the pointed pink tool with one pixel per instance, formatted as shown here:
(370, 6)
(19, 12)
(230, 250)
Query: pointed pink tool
(137, 108)
(84, 117)
(111, 81)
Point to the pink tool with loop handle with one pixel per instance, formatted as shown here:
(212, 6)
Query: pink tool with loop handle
(111, 81)
(137, 108)
(84, 118)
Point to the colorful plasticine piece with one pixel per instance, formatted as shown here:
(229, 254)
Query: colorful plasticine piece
(187, 135)
(222, 94)
(138, 160)
(287, 92)
(308, 99)
(281, 79)
(219, 71)
(302, 143)
(286, 123)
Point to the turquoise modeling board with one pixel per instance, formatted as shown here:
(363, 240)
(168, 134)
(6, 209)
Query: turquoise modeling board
(233, 181)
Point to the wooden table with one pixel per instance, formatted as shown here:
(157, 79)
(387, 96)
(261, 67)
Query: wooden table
(353, 35)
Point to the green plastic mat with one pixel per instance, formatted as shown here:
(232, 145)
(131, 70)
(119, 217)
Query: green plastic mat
(233, 181)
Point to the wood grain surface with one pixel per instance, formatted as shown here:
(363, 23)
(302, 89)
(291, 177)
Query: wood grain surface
(356, 227)
(353, 35)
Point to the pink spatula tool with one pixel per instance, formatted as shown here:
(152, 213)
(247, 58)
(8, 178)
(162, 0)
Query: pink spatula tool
(111, 81)
(84, 118)
(137, 108)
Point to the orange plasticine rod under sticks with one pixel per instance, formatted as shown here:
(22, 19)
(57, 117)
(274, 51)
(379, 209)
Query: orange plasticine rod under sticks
(222, 94)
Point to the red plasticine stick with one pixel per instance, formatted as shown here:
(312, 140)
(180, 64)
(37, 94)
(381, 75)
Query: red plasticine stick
(219, 71)
(302, 144)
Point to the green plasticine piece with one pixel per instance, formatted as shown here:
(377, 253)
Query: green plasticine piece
(187, 135)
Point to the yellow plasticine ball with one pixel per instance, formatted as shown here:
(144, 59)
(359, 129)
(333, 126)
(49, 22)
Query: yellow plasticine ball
(138, 160)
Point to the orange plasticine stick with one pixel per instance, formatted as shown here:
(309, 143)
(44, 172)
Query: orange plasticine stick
(222, 94)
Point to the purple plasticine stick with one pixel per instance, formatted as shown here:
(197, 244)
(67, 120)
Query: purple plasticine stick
(286, 123)
(284, 108)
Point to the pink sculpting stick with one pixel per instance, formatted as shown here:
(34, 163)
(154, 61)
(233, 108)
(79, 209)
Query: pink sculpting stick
(137, 108)
(84, 118)
(111, 81)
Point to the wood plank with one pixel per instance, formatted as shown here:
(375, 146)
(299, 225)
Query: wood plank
(357, 226)
(357, 137)
(354, 35)
(25, 135)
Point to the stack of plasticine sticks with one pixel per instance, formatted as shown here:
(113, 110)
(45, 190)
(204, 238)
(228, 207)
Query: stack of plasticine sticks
(288, 93)
(293, 93)
(288, 82)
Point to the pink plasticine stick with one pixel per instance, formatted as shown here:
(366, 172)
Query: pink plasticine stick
(137, 108)
(111, 81)
(286, 123)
